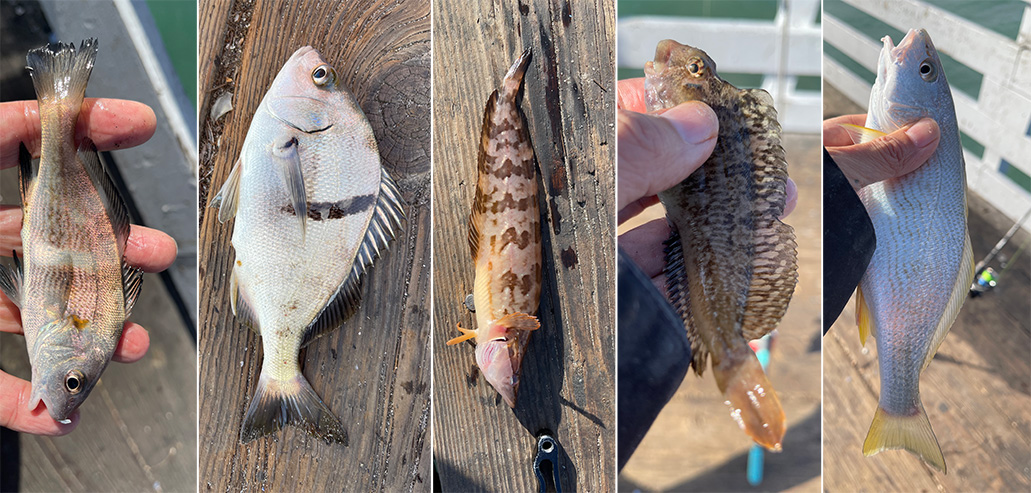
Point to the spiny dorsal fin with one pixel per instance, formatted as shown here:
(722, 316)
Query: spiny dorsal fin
(228, 196)
(117, 213)
(11, 279)
(775, 265)
(26, 173)
(132, 281)
(476, 216)
(679, 295)
(383, 227)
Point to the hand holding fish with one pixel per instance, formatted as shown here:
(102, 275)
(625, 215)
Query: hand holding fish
(110, 124)
(890, 156)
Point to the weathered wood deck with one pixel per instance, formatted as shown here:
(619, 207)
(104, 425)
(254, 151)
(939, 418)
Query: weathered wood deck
(694, 445)
(137, 430)
(568, 373)
(374, 371)
(977, 391)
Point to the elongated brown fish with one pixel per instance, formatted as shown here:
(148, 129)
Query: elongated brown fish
(75, 290)
(505, 239)
(313, 208)
(731, 263)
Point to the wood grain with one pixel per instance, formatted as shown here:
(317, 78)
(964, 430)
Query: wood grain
(568, 374)
(373, 371)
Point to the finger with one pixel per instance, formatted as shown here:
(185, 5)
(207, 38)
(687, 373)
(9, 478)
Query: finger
(630, 95)
(15, 414)
(659, 151)
(110, 123)
(133, 344)
(791, 190)
(643, 245)
(890, 156)
(835, 135)
(146, 248)
(636, 207)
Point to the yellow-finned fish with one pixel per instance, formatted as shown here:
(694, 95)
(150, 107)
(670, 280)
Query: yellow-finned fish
(923, 265)
(75, 290)
(313, 208)
(731, 263)
(505, 239)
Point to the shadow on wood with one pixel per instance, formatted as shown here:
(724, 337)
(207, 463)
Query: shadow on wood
(373, 371)
(568, 372)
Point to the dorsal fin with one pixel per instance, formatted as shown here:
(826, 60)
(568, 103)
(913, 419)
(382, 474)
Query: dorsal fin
(960, 287)
(383, 227)
(11, 279)
(774, 265)
(679, 295)
(476, 216)
(117, 213)
(132, 281)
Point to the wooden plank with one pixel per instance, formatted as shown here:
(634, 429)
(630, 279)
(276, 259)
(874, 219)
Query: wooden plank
(693, 444)
(977, 391)
(568, 373)
(373, 372)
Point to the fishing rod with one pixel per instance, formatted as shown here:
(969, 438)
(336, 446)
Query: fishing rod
(986, 278)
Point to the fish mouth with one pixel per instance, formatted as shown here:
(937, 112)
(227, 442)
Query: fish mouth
(663, 52)
(915, 37)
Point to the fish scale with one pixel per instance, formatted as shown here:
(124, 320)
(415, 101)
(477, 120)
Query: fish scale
(731, 264)
(922, 267)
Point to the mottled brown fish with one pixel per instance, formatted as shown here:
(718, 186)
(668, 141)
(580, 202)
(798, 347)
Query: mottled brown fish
(74, 291)
(505, 239)
(731, 263)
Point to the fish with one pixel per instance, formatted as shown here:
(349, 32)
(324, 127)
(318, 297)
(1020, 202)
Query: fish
(72, 286)
(923, 264)
(313, 208)
(731, 264)
(505, 240)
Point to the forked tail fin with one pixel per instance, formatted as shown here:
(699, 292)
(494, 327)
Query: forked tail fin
(61, 71)
(912, 433)
(754, 403)
(281, 402)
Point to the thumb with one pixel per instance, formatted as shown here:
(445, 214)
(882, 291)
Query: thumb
(658, 151)
(891, 156)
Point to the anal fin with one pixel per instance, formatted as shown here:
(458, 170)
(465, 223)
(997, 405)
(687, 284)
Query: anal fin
(679, 295)
(117, 213)
(864, 318)
(11, 280)
(132, 281)
(26, 174)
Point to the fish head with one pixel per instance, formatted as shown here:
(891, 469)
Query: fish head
(307, 94)
(67, 360)
(499, 361)
(679, 73)
(910, 82)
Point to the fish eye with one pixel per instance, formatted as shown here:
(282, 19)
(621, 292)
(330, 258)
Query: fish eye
(74, 381)
(927, 71)
(696, 67)
(323, 75)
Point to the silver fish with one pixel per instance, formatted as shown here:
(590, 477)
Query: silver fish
(923, 265)
(313, 208)
(74, 290)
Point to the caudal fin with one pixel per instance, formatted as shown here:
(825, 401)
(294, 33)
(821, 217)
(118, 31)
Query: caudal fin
(281, 402)
(754, 403)
(912, 433)
(61, 71)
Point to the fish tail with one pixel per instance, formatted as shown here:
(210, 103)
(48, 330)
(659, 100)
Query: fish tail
(514, 77)
(281, 402)
(754, 403)
(912, 433)
(61, 71)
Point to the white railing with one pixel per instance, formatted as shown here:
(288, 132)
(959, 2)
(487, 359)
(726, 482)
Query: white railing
(999, 118)
(781, 50)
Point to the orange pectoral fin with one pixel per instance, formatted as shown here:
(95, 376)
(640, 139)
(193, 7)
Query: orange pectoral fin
(466, 335)
(518, 321)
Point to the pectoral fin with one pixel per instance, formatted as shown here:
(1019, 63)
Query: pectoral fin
(226, 199)
(860, 134)
(466, 335)
(288, 162)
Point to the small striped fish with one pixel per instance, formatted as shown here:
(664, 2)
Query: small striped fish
(923, 265)
(505, 239)
(314, 208)
(74, 290)
(731, 264)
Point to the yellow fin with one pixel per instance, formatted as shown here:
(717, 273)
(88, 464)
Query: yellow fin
(466, 335)
(519, 321)
(864, 319)
(861, 134)
(911, 433)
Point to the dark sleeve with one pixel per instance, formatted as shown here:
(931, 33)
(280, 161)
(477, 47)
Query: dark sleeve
(653, 355)
(848, 241)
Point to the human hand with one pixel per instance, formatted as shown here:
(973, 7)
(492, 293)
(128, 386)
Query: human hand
(111, 124)
(657, 151)
(890, 156)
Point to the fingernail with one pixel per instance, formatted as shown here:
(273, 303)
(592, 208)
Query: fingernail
(923, 133)
(694, 121)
